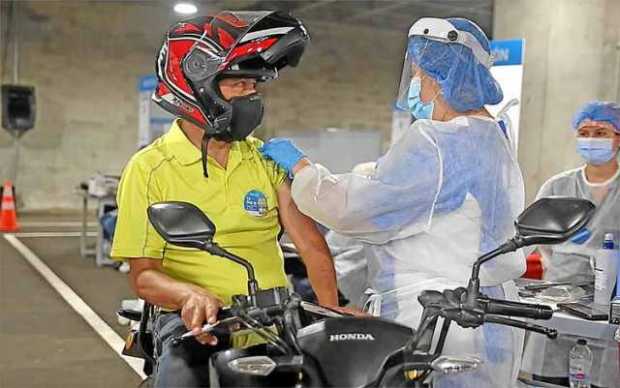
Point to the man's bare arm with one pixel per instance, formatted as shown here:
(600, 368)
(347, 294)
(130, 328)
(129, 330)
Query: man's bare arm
(197, 305)
(311, 246)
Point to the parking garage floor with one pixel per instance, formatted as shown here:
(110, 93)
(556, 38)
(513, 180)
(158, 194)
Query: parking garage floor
(44, 341)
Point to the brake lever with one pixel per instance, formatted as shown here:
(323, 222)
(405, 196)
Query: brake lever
(549, 332)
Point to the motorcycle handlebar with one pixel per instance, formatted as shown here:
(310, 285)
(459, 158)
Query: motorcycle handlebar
(227, 316)
(224, 313)
(258, 313)
(515, 309)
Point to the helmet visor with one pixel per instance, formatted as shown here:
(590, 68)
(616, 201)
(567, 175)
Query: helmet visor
(276, 41)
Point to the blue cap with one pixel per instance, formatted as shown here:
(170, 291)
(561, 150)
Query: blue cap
(605, 111)
(465, 83)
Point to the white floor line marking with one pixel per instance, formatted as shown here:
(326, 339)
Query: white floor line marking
(52, 234)
(80, 307)
(44, 224)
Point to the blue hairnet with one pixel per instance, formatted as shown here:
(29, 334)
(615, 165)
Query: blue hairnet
(606, 111)
(464, 82)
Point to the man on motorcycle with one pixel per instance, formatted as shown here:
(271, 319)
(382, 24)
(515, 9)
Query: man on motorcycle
(208, 69)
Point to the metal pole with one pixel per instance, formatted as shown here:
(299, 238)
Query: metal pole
(15, 164)
(15, 42)
(16, 135)
(83, 249)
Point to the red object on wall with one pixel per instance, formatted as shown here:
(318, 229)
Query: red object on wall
(534, 266)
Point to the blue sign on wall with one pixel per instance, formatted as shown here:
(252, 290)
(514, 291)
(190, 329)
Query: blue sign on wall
(507, 52)
(147, 83)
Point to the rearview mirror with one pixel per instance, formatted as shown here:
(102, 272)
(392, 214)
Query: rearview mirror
(181, 223)
(552, 220)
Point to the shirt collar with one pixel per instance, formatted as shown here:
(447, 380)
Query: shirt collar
(187, 153)
(180, 146)
(599, 184)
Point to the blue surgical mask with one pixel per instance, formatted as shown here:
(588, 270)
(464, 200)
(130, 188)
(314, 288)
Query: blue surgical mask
(418, 109)
(596, 150)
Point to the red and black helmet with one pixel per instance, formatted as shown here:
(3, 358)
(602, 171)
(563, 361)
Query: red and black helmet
(197, 53)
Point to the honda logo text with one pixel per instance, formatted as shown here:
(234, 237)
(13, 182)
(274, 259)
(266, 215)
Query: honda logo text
(351, 337)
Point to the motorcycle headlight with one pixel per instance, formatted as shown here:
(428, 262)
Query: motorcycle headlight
(254, 365)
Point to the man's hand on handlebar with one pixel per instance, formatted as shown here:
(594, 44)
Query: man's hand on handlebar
(200, 306)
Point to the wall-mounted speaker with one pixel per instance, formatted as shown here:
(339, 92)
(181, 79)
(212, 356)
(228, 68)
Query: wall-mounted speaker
(18, 108)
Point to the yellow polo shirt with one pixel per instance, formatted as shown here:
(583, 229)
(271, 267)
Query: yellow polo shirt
(241, 201)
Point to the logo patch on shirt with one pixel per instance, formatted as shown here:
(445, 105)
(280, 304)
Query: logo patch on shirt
(255, 203)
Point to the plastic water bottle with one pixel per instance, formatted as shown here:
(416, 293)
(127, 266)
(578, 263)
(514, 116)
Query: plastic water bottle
(605, 271)
(580, 365)
(608, 241)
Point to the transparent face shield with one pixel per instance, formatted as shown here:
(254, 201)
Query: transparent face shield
(408, 72)
(427, 30)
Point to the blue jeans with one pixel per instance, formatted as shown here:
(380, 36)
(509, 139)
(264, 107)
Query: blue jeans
(185, 365)
(108, 224)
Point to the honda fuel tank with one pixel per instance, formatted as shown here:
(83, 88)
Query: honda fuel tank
(349, 350)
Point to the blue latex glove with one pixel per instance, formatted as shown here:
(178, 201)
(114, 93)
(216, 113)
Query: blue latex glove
(283, 152)
(581, 236)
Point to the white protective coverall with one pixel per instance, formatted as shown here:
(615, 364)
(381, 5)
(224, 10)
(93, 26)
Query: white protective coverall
(445, 193)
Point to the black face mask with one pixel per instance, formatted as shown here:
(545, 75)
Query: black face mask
(247, 114)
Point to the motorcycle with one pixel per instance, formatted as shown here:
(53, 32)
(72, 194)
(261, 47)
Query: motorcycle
(304, 343)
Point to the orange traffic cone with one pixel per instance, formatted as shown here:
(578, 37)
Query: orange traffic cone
(8, 217)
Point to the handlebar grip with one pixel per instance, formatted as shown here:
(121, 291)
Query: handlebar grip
(224, 313)
(515, 309)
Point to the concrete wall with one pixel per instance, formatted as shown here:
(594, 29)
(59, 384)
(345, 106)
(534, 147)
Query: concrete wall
(84, 58)
(571, 57)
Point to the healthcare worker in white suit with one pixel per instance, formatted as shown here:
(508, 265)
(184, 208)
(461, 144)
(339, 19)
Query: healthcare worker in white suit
(596, 127)
(446, 192)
